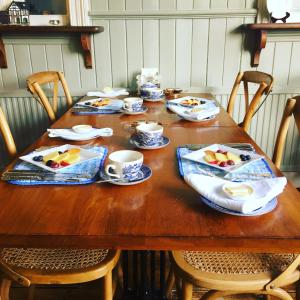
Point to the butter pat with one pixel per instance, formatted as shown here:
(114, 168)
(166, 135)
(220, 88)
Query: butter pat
(236, 190)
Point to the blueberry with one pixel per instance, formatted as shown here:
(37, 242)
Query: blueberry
(248, 157)
(87, 103)
(38, 158)
(49, 163)
(60, 152)
(243, 157)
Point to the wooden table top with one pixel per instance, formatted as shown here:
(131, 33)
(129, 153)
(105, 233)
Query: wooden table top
(161, 213)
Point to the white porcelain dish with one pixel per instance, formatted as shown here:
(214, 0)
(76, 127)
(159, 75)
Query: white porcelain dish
(82, 128)
(198, 156)
(85, 155)
(114, 104)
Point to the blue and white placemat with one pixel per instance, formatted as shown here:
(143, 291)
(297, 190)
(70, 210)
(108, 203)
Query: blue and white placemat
(90, 167)
(80, 110)
(187, 167)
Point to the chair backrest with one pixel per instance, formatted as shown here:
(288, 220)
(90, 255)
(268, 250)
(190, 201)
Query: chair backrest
(34, 83)
(7, 136)
(292, 108)
(265, 82)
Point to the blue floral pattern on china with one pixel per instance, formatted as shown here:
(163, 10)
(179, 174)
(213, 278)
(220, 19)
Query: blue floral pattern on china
(131, 171)
(149, 139)
(137, 106)
(162, 142)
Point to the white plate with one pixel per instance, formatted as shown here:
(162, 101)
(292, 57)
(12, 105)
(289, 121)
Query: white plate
(115, 104)
(85, 155)
(198, 156)
(127, 112)
(258, 212)
(185, 117)
(179, 100)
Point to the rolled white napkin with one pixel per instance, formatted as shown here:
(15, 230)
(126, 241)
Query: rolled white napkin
(200, 115)
(211, 188)
(111, 93)
(69, 133)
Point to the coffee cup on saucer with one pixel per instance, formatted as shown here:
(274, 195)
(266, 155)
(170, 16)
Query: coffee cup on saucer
(133, 104)
(124, 164)
(149, 134)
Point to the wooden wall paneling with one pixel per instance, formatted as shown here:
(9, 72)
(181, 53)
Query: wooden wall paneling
(282, 59)
(184, 4)
(236, 4)
(294, 72)
(167, 52)
(98, 5)
(134, 51)
(233, 46)
(167, 4)
(267, 60)
(267, 106)
(116, 4)
(218, 4)
(150, 4)
(133, 5)
(23, 63)
(199, 52)
(71, 65)
(183, 52)
(201, 4)
(118, 53)
(38, 58)
(54, 57)
(251, 3)
(9, 75)
(246, 55)
(217, 28)
(151, 43)
(102, 55)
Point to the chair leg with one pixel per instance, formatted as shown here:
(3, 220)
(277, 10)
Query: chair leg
(4, 289)
(187, 290)
(31, 290)
(107, 286)
(170, 283)
(280, 294)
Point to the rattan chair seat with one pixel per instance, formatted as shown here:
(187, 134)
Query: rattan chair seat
(227, 263)
(53, 259)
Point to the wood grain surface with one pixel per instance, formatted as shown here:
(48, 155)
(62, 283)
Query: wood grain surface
(161, 213)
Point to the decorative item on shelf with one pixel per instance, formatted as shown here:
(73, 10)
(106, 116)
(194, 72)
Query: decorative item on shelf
(278, 10)
(18, 12)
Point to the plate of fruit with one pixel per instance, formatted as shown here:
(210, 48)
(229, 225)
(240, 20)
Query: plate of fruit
(59, 158)
(222, 157)
(103, 103)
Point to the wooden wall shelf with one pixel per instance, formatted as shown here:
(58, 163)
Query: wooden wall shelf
(261, 32)
(84, 33)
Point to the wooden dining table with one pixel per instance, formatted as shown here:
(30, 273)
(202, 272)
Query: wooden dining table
(161, 213)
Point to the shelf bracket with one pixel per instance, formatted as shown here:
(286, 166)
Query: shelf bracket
(3, 60)
(85, 40)
(261, 41)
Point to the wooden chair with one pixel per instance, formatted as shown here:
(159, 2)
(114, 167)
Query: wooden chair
(227, 274)
(53, 266)
(265, 82)
(34, 83)
(7, 136)
(292, 108)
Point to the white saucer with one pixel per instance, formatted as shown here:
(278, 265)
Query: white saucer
(154, 100)
(161, 144)
(127, 112)
(144, 174)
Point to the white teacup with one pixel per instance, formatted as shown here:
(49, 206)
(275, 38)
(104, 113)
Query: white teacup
(125, 164)
(132, 104)
(152, 93)
(149, 134)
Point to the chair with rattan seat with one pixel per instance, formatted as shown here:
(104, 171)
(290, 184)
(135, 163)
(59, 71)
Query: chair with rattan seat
(7, 136)
(265, 82)
(33, 266)
(34, 83)
(226, 273)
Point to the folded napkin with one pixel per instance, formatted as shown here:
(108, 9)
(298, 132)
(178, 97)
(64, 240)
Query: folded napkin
(187, 113)
(111, 93)
(70, 134)
(211, 188)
